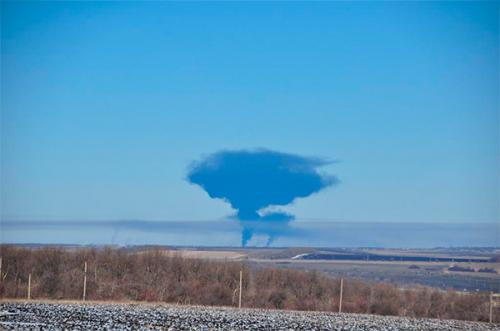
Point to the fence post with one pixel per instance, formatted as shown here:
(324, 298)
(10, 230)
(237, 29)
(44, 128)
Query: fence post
(241, 283)
(491, 307)
(370, 301)
(84, 280)
(341, 292)
(29, 286)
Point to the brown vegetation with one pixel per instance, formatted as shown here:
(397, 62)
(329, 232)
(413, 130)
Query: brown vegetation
(116, 274)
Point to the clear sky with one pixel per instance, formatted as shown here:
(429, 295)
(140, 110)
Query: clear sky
(105, 105)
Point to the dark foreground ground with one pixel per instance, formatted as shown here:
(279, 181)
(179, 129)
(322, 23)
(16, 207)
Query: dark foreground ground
(63, 316)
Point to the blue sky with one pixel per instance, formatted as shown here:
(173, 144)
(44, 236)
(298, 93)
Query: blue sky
(105, 105)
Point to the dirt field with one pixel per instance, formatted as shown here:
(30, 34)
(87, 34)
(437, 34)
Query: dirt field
(93, 316)
(207, 254)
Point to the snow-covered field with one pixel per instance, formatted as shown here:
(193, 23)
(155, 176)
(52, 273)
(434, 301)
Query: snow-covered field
(91, 316)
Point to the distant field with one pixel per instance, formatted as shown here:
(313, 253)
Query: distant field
(430, 269)
(211, 254)
(429, 274)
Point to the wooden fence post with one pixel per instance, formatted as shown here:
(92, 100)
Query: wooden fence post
(84, 280)
(29, 286)
(341, 292)
(494, 302)
(370, 301)
(491, 307)
(241, 283)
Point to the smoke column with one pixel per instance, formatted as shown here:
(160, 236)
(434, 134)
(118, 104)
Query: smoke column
(253, 180)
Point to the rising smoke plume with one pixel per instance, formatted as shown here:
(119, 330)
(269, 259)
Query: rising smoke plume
(253, 180)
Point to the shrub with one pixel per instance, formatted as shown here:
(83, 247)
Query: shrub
(153, 275)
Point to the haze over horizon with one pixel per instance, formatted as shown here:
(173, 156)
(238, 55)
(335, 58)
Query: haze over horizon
(104, 107)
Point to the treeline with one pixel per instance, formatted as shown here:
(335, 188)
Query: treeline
(152, 275)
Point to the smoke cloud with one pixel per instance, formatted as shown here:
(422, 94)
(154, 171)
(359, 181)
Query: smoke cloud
(253, 180)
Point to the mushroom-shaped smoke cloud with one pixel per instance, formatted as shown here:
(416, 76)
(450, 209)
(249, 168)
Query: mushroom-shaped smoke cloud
(252, 180)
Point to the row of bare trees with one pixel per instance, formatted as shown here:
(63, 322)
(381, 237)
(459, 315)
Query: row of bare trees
(153, 275)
